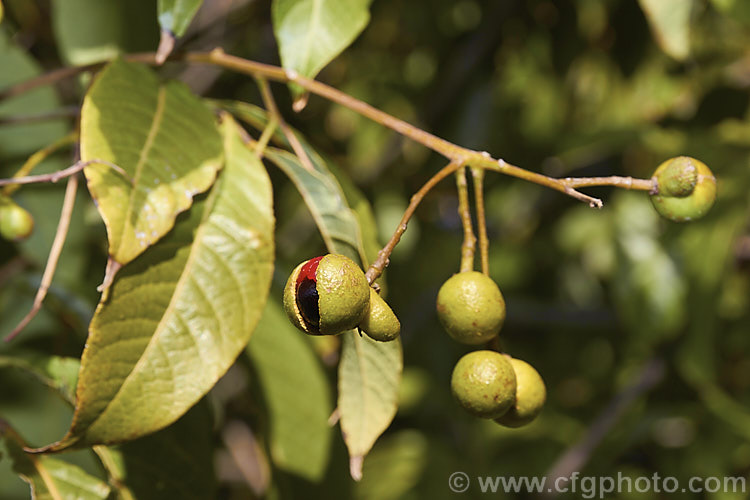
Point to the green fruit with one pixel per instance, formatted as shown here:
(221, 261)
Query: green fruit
(471, 307)
(16, 223)
(380, 323)
(327, 295)
(530, 396)
(686, 189)
(484, 383)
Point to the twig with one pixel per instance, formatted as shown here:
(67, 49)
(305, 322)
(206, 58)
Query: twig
(577, 455)
(38, 157)
(464, 211)
(451, 151)
(61, 174)
(265, 137)
(484, 242)
(376, 268)
(54, 255)
(66, 112)
(274, 112)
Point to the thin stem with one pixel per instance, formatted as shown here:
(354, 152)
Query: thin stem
(616, 181)
(451, 151)
(265, 137)
(377, 267)
(61, 174)
(55, 114)
(54, 255)
(274, 112)
(484, 242)
(464, 211)
(38, 157)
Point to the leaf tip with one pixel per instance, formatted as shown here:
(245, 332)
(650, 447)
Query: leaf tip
(355, 467)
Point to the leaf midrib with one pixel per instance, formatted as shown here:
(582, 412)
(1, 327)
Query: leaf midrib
(195, 245)
(147, 146)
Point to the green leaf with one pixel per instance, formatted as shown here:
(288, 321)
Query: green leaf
(48, 477)
(369, 376)
(163, 137)
(89, 31)
(310, 33)
(178, 316)
(175, 15)
(670, 24)
(296, 393)
(176, 462)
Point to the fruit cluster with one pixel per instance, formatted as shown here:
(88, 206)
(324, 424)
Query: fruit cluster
(329, 295)
(487, 384)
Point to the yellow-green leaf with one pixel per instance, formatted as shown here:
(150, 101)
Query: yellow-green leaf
(177, 317)
(164, 138)
(369, 375)
(670, 24)
(296, 393)
(310, 33)
(50, 478)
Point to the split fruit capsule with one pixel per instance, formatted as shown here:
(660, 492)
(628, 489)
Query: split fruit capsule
(327, 295)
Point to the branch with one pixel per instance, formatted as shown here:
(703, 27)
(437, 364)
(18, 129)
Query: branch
(54, 255)
(61, 174)
(377, 267)
(451, 151)
(36, 158)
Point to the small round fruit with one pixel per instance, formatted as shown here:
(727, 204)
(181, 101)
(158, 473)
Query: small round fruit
(484, 383)
(530, 396)
(16, 223)
(686, 189)
(471, 307)
(327, 295)
(380, 323)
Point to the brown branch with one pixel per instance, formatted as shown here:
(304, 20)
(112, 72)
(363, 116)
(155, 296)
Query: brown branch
(54, 255)
(451, 151)
(36, 158)
(61, 174)
(377, 267)
(55, 114)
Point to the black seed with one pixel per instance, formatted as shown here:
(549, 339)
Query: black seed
(307, 301)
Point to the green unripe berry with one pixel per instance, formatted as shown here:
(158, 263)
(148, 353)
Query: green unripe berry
(16, 223)
(686, 189)
(380, 323)
(484, 383)
(327, 295)
(471, 307)
(530, 396)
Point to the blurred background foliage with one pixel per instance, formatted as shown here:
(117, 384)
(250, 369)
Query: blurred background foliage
(624, 314)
